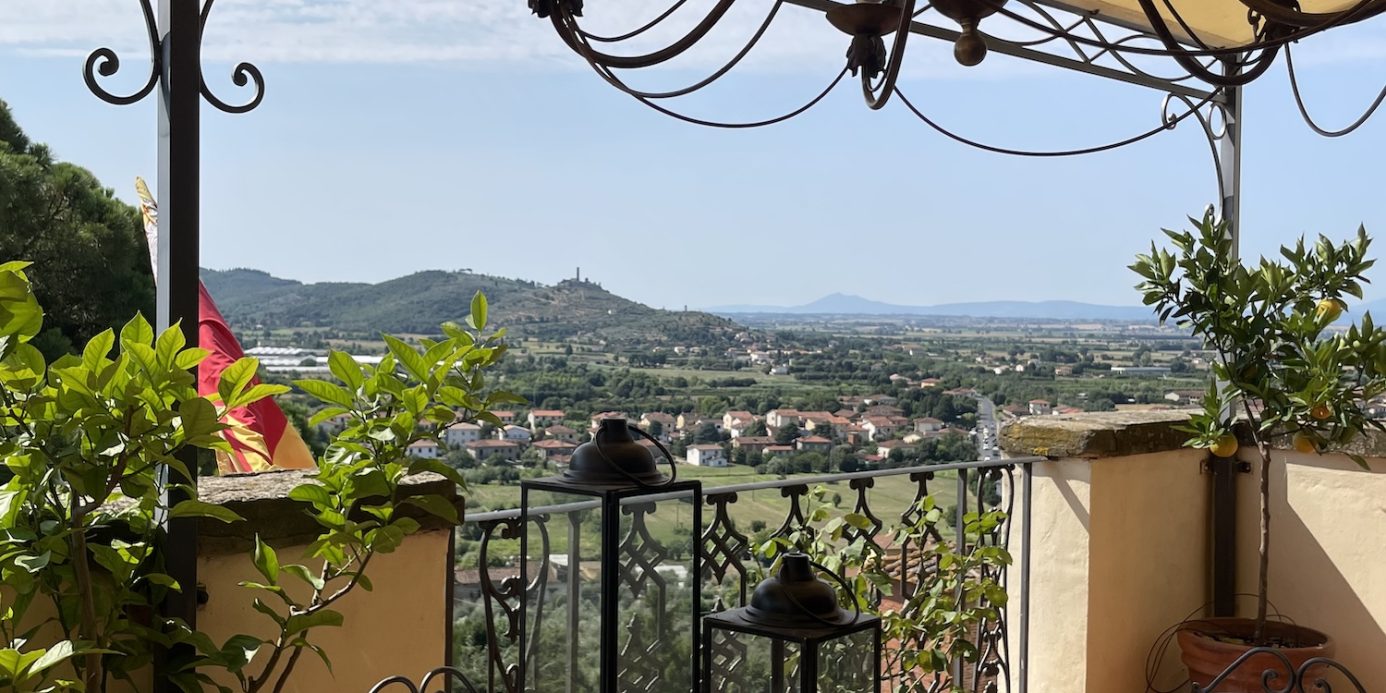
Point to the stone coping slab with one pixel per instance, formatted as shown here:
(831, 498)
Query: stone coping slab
(263, 500)
(1095, 434)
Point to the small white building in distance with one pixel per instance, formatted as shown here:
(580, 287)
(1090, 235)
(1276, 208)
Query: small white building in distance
(517, 434)
(461, 433)
(424, 450)
(707, 456)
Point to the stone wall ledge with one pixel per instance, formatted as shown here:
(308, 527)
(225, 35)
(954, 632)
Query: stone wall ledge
(1095, 435)
(263, 500)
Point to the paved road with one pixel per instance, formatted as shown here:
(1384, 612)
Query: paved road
(987, 430)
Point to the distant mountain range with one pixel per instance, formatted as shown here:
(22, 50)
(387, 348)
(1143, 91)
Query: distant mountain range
(847, 304)
(420, 302)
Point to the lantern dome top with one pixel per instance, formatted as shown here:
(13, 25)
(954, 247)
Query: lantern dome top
(796, 597)
(613, 457)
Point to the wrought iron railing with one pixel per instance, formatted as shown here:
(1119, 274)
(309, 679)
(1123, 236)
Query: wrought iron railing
(488, 604)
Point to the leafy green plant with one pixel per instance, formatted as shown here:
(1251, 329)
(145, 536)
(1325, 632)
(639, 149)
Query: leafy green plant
(84, 441)
(1281, 365)
(356, 496)
(937, 623)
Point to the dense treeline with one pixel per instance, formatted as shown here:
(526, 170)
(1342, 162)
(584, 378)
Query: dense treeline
(90, 261)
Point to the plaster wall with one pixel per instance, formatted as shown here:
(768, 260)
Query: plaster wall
(1328, 551)
(397, 628)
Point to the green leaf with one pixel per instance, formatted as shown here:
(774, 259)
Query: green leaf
(346, 369)
(53, 656)
(326, 392)
(321, 618)
(98, 348)
(478, 318)
(437, 467)
(266, 561)
(20, 314)
(409, 358)
(195, 508)
(199, 419)
(137, 331)
(255, 394)
(267, 610)
(239, 650)
(311, 493)
(236, 377)
(302, 573)
(322, 415)
(169, 344)
(188, 358)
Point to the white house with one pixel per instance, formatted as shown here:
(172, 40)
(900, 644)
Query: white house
(486, 449)
(880, 427)
(461, 433)
(927, 424)
(1041, 407)
(561, 432)
(543, 418)
(424, 450)
(707, 456)
(515, 434)
(737, 419)
(779, 418)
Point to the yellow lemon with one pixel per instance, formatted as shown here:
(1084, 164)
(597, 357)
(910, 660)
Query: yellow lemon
(1328, 309)
(1224, 446)
(1305, 444)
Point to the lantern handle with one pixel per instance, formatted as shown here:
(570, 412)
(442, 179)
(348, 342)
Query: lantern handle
(673, 468)
(856, 605)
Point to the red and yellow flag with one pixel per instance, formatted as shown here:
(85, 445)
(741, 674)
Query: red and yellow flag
(260, 435)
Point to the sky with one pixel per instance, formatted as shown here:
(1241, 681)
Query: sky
(450, 134)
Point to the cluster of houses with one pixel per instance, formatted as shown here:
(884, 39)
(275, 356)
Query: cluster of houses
(874, 425)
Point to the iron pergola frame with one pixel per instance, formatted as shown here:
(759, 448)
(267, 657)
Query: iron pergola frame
(176, 80)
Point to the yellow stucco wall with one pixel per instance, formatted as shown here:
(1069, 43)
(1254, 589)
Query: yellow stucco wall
(1119, 548)
(1328, 551)
(399, 628)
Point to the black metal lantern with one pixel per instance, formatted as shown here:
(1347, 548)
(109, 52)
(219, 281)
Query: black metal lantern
(793, 638)
(611, 572)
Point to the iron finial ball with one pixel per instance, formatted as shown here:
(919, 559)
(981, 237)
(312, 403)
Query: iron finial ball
(970, 49)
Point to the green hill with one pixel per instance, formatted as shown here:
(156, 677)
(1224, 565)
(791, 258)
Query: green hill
(419, 302)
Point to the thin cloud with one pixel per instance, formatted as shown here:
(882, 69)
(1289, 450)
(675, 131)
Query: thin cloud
(481, 34)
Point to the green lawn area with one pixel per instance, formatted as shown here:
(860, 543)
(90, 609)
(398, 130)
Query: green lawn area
(889, 498)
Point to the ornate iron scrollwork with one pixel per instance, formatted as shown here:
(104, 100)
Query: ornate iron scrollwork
(104, 62)
(442, 674)
(1308, 676)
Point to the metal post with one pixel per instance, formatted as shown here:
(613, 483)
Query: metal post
(574, 596)
(1223, 528)
(611, 593)
(179, 168)
(1027, 486)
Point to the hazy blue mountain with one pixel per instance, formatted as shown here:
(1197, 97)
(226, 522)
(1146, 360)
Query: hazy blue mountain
(846, 304)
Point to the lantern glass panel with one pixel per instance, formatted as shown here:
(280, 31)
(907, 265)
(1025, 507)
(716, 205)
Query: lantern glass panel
(744, 663)
(564, 551)
(846, 664)
(656, 595)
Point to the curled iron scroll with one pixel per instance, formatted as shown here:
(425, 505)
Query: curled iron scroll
(243, 74)
(1296, 677)
(105, 62)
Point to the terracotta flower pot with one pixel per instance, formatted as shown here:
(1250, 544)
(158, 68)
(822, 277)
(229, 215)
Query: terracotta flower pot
(1209, 646)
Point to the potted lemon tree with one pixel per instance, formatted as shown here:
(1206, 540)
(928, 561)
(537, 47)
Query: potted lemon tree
(1287, 373)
